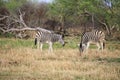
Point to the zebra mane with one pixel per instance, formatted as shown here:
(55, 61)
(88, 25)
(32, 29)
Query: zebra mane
(45, 30)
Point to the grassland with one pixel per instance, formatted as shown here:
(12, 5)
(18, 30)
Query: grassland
(20, 60)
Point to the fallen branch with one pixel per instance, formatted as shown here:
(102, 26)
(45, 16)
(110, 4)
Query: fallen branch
(26, 28)
(3, 17)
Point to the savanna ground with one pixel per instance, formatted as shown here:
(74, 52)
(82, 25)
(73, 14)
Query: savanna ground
(20, 60)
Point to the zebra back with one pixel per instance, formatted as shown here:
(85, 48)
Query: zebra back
(45, 36)
(93, 36)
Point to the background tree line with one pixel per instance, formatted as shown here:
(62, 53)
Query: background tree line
(67, 16)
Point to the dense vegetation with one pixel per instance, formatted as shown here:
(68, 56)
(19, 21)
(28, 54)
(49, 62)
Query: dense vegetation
(106, 12)
(63, 15)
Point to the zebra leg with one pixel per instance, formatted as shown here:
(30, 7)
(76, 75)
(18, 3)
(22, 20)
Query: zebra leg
(88, 44)
(102, 46)
(38, 44)
(99, 46)
(86, 48)
(50, 47)
(41, 45)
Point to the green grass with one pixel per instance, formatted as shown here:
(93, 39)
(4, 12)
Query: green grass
(71, 44)
(15, 43)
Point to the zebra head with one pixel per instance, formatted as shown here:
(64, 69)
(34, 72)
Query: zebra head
(82, 47)
(61, 40)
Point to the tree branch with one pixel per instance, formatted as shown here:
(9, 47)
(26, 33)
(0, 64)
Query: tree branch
(3, 18)
(106, 26)
(26, 28)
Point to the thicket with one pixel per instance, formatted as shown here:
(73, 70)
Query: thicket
(62, 15)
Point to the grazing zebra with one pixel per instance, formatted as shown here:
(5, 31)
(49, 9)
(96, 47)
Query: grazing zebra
(46, 36)
(95, 37)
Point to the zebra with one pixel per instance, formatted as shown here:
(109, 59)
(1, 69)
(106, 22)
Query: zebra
(96, 37)
(46, 36)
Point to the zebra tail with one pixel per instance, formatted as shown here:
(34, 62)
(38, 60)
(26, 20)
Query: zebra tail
(103, 45)
(80, 47)
(35, 41)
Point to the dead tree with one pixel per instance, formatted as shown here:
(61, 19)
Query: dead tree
(19, 30)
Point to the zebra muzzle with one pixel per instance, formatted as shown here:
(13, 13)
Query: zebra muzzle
(64, 44)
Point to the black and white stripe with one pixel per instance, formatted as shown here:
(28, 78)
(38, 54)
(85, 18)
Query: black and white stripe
(95, 37)
(46, 36)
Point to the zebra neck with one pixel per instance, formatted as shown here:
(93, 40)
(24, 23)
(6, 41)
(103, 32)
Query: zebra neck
(55, 38)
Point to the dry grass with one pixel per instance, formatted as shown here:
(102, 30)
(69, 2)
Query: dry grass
(63, 64)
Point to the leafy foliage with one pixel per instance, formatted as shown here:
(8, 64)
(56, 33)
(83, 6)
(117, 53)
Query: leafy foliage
(1, 3)
(68, 13)
(74, 9)
(14, 4)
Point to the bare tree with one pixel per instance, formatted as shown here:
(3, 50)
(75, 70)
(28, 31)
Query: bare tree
(20, 23)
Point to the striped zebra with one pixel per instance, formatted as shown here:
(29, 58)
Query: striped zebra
(95, 37)
(46, 36)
